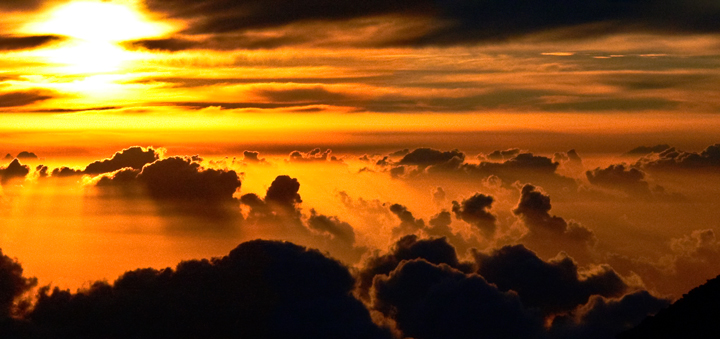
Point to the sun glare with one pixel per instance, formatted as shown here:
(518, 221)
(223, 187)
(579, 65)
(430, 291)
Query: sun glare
(95, 29)
(98, 22)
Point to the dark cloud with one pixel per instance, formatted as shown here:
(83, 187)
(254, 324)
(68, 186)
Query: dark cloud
(25, 155)
(17, 99)
(252, 157)
(474, 211)
(62, 172)
(15, 170)
(671, 158)
(337, 229)
(439, 226)
(134, 157)
(14, 43)
(503, 155)
(644, 150)
(548, 233)
(603, 318)
(302, 96)
(20, 5)
(628, 179)
(408, 223)
(165, 45)
(179, 186)
(314, 155)
(409, 247)
(424, 157)
(611, 104)
(555, 286)
(436, 301)
(284, 192)
(455, 22)
(438, 195)
(262, 289)
(13, 285)
(693, 316)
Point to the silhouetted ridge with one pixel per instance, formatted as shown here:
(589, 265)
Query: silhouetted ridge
(695, 315)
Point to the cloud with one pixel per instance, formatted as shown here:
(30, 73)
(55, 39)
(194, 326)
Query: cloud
(409, 247)
(25, 98)
(134, 157)
(314, 155)
(627, 179)
(424, 157)
(693, 316)
(15, 170)
(302, 96)
(265, 289)
(20, 5)
(453, 22)
(12, 288)
(645, 150)
(545, 230)
(671, 158)
(408, 223)
(15, 43)
(503, 155)
(252, 157)
(474, 211)
(554, 287)
(436, 301)
(337, 229)
(604, 318)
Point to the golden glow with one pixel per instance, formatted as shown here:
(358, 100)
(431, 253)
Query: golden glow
(95, 29)
(98, 22)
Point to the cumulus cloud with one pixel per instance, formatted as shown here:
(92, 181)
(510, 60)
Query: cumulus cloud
(554, 287)
(15, 170)
(434, 250)
(424, 157)
(604, 318)
(260, 289)
(672, 158)
(408, 223)
(252, 157)
(620, 177)
(436, 301)
(474, 211)
(134, 157)
(499, 155)
(312, 156)
(545, 230)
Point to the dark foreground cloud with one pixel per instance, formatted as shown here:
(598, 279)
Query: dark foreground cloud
(262, 289)
(434, 250)
(693, 316)
(605, 318)
(13, 43)
(554, 287)
(436, 301)
(453, 22)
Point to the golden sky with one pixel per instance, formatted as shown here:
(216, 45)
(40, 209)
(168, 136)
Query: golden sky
(578, 137)
(379, 67)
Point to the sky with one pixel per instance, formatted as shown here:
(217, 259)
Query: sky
(572, 141)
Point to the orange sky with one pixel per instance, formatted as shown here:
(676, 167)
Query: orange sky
(143, 66)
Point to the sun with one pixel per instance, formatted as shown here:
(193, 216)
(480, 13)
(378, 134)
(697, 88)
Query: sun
(94, 29)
